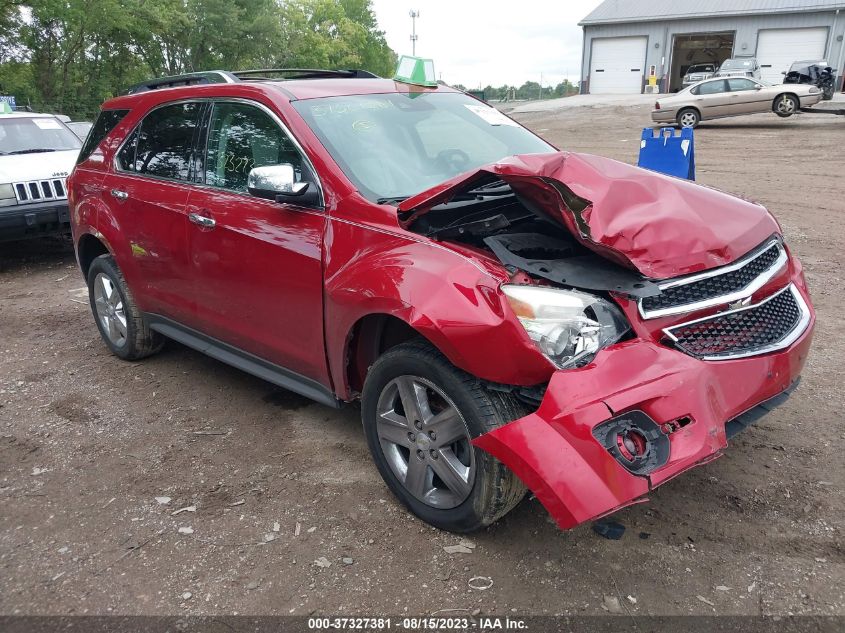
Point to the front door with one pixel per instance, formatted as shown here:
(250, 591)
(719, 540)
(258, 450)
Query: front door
(746, 97)
(147, 194)
(257, 264)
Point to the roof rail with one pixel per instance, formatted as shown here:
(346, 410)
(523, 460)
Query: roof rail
(301, 73)
(262, 74)
(188, 79)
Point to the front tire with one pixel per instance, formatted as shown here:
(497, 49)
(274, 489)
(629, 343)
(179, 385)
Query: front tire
(419, 414)
(122, 326)
(689, 117)
(786, 105)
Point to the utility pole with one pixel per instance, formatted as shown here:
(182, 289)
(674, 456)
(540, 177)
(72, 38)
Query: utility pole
(414, 15)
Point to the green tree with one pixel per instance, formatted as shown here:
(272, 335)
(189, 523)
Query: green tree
(333, 34)
(70, 55)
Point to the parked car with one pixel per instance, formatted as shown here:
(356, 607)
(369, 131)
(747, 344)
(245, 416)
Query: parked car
(733, 96)
(509, 316)
(739, 67)
(37, 152)
(80, 128)
(698, 72)
(815, 73)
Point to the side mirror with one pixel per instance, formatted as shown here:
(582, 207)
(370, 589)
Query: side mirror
(758, 87)
(278, 183)
(272, 180)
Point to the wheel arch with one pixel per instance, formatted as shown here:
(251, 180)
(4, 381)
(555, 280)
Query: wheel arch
(88, 248)
(371, 336)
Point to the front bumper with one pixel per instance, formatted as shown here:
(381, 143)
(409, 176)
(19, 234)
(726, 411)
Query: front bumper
(23, 221)
(810, 100)
(554, 450)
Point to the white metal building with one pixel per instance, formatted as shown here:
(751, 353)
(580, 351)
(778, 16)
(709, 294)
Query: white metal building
(627, 40)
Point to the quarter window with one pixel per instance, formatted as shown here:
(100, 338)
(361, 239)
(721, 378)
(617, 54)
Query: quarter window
(164, 142)
(240, 138)
(105, 123)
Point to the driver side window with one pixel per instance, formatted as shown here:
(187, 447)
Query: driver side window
(738, 84)
(241, 137)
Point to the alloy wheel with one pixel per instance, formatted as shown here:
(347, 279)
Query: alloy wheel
(110, 309)
(425, 441)
(786, 105)
(688, 119)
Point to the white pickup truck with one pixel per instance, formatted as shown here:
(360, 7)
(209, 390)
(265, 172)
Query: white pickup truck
(37, 152)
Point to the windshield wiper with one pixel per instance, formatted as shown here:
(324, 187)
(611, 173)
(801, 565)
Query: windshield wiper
(391, 199)
(36, 150)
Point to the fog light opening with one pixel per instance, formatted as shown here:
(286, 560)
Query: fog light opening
(634, 440)
(632, 445)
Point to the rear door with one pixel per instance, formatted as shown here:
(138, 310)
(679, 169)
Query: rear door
(712, 98)
(148, 191)
(257, 263)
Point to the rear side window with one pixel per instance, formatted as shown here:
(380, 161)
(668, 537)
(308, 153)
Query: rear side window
(710, 88)
(105, 123)
(163, 144)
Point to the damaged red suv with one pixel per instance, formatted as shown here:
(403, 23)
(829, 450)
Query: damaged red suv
(510, 316)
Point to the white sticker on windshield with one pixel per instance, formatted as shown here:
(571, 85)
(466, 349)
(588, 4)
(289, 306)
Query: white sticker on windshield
(491, 115)
(47, 124)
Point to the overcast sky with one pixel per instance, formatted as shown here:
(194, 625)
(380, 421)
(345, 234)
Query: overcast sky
(478, 42)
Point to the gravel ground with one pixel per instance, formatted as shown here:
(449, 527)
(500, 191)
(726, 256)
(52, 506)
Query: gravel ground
(283, 512)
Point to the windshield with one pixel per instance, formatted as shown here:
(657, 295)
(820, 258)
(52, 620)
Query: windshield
(736, 64)
(25, 135)
(701, 68)
(392, 146)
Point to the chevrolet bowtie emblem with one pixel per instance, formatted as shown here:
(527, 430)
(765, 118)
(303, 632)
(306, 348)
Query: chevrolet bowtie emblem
(739, 303)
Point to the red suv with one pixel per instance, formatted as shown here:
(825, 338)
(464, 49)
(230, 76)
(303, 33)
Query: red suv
(509, 316)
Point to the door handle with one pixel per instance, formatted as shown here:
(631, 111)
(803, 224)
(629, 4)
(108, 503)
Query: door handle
(120, 195)
(202, 220)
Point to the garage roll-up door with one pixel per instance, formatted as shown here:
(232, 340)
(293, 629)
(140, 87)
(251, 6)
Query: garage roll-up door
(617, 65)
(778, 48)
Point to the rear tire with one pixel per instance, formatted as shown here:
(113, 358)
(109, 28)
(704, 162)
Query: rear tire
(688, 117)
(122, 326)
(785, 105)
(446, 408)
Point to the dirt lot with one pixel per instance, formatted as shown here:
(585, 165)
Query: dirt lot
(88, 442)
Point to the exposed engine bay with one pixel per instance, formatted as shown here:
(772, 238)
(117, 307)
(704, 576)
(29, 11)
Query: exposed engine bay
(493, 217)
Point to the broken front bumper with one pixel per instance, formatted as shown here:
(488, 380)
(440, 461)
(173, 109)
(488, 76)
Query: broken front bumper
(695, 404)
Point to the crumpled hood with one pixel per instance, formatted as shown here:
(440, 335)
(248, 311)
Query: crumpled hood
(21, 167)
(658, 225)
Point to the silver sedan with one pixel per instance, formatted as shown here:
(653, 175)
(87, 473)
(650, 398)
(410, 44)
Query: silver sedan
(732, 96)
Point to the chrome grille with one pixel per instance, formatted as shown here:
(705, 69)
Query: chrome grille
(774, 323)
(40, 190)
(719, 286)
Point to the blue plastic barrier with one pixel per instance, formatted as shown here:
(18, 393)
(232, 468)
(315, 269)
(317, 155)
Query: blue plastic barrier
(668, 152)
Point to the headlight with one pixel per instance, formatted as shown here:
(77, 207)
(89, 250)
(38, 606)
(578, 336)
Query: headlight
(568, 326)
(7, 195)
